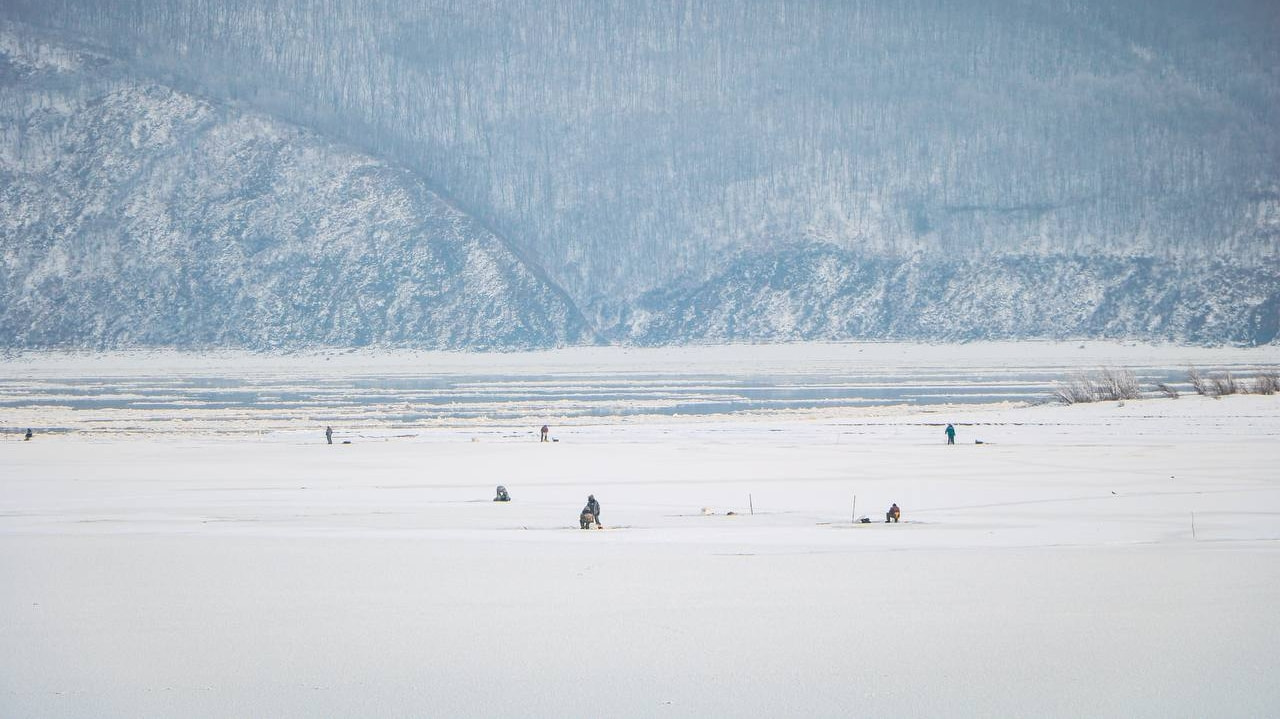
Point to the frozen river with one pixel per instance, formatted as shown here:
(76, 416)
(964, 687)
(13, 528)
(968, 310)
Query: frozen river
(188, 545)
(238, 393)
(414, 399)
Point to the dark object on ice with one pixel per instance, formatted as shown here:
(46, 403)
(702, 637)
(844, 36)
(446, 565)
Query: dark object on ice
(346, 441)
(978, 441)
(27, 436)
(865, 520)
(586, 519)
(951, 434)
(893, 514)
(328, 434)
(545, 431)
(502, 495)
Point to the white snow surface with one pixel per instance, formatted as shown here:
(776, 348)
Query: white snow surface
(1093, 560)
(759, 358)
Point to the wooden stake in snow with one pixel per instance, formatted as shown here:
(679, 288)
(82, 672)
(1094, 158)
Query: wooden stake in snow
(854, 517)
(1193, 525)
(752, 505)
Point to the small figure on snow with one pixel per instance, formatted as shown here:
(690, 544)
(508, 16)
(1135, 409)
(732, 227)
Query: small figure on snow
(27, 437)
(590, 513)
(502, 495)
(328, 434)
(893, 514)
(545, 432)
(951, 434)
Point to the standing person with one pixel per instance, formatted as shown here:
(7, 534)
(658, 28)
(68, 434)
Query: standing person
(594, 508)
(27, 436)
(328, 434)
(545, 431)
(951, 434)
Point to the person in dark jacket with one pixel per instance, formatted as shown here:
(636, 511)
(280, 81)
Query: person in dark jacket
(545, 432)
(893, 514)
(502, 495)
(592, 509)
(951, 434)
(328, 434)
(27, 436)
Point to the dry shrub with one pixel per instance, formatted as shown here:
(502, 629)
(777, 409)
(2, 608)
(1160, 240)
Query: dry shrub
(1077, 388)
(1266, 382)
(1224, 384)
(1102, 386)
(1114, 384)
(1198, 381)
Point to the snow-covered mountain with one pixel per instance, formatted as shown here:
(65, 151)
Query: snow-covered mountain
(624, 144)
(462, 173)
(132, 214)
(820, 292)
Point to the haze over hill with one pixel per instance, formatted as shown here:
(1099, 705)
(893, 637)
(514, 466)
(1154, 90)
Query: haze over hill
(136, 215)
(618, 155)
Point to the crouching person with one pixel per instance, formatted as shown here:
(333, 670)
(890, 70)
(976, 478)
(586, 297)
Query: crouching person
(893, 514)
(590, 513)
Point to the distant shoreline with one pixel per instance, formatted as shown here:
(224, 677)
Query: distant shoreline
(725, 358)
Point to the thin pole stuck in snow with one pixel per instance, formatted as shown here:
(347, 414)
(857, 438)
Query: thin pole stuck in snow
(751, 504)
(1193, 525)
(854, 518)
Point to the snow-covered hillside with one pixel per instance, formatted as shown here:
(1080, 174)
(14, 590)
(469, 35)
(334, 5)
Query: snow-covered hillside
(132, 214)
(448, 174)
(820, 292)
(624, 144)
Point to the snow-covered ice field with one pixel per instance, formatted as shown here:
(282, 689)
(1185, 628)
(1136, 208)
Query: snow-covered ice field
(1093, 560)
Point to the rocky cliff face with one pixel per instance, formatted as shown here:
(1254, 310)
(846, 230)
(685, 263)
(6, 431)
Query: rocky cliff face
(132, 214)
(820, 292)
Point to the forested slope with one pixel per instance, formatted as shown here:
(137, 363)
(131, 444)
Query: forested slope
(608, 153)
(624, 144)
(132, 214)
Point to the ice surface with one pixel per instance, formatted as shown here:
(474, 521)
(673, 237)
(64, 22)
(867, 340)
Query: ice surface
(394, 393)
(1092, 560)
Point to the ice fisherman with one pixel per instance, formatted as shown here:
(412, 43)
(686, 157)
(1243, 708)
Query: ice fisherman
(893, 514)
(27, 437)
(951, 434)
(502, 495)
(590, 513)
(328, 434)
(545, 431)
